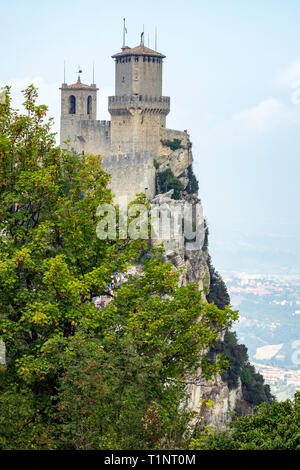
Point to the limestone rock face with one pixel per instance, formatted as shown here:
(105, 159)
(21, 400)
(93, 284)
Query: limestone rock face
(195, 262)
(224, 401)
(178, 160)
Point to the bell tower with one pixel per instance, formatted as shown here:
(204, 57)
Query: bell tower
(78, 116)
(78, 101)
(138, 109)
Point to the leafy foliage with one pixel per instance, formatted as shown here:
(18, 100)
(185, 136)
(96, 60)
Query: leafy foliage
(78, 377)
(193, 185)
(165, 181)
(237, 357)
(174, 144)
(254, 389)
(217, 290)
(276, 427)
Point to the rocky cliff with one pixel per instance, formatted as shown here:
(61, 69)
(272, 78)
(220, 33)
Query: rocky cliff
(174, 172)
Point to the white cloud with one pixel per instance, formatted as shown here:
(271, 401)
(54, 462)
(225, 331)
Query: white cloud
(268, 117)
(263, 117)
(286, 78)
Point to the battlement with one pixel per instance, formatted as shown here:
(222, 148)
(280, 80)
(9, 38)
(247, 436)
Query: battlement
(158, 104)
(131, 141)
(86, 135)
(95, 124)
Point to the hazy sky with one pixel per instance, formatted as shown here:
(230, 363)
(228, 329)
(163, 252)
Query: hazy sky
(233, 73)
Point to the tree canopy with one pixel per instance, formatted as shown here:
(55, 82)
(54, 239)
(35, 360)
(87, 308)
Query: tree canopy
(78, 376)
(276, 427)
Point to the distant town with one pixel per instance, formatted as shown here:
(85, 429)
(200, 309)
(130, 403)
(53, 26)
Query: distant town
(269, 326)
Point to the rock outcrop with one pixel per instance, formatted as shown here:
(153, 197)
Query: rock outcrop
(195, 262)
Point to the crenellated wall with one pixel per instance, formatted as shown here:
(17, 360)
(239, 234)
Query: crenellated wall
(88, 136)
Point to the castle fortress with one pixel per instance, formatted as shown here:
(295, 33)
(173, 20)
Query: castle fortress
(134, 137)
(130, 144)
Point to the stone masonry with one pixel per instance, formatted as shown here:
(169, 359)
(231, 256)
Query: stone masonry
(130, 142)
(134, 147)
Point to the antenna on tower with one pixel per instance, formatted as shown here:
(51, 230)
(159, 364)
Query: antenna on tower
(93, 72)
(148, 40)
(79, 72)
(155, 38)
(124, 32)
(64, 71)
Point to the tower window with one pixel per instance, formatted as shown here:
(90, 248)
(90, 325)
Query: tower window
(136, 59)
(89, 105)
(72, 104)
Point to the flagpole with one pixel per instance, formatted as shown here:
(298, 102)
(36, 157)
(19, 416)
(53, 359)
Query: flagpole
(124, 29)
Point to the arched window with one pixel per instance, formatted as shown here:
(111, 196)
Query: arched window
(72, 104)
(89, 105)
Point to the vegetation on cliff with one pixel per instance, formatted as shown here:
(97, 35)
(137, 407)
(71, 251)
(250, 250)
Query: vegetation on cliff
(217, 288)
(276, 427)
(239, 368)
(166, 180)
(174, 144)
(80, 377)
(193, 185)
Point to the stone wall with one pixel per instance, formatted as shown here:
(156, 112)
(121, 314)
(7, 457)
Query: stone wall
(143, 76)
(131, 174)
(81, 97)
(136, 122)
(88, 136)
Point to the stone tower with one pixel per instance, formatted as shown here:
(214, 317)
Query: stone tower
(138, 109)
(132, 140)
(78, 101)
(79, 123)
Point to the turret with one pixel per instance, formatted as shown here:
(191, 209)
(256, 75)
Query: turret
(78, 101)
(138, 71)
(79, 126)
(138, 109)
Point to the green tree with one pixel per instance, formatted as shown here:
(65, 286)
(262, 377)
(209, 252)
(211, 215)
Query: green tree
(166, 180)
(174, 144)
(218, 292)
(86, 374)
(255, 391)
(276, 427)
(193, 185)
